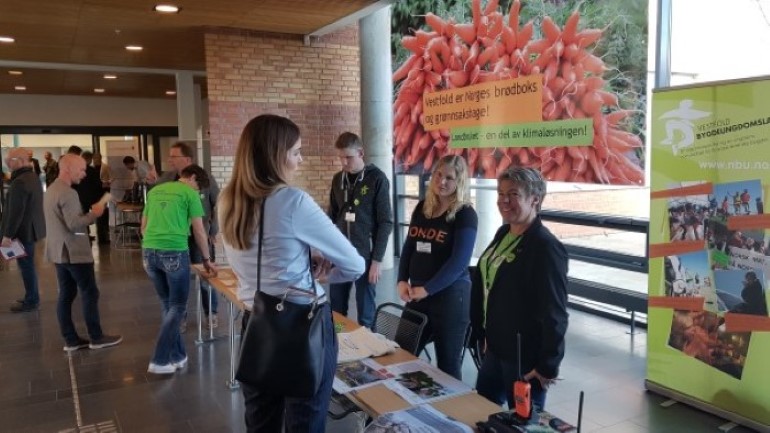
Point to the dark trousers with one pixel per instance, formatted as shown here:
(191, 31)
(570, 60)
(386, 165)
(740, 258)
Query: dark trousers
(448, 314)
(365, 303)
(29, 275)
(268, 413)
(72, 277)
(197, 258)
(103, 227)
(496, 378)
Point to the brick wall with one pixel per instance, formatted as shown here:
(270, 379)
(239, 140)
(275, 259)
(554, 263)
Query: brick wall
(315, 85)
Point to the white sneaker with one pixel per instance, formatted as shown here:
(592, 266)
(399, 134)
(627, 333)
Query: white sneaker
(161, 369)
(181, 364)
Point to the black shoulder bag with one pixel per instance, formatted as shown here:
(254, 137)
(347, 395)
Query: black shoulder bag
(282, 348)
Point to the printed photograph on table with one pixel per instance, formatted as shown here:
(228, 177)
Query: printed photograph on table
(739, 198)
(358, 374)
(700, 335)
(686, 217)
(741, 291)
(556, 86)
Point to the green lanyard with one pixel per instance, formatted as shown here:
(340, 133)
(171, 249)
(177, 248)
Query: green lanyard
(491, 260)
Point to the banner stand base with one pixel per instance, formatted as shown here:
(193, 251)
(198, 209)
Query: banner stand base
(706, 407)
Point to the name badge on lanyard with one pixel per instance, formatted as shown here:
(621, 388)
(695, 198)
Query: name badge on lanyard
(350, 217)
(423, 247)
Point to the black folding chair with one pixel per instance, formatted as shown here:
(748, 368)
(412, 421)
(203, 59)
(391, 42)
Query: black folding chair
(400, 324)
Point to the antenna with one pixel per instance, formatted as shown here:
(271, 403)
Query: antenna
(580, 412)
(518, 350)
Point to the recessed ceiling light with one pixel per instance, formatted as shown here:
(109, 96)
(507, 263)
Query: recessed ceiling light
(110, 76)
(98, 90)
(134, 47)
(166, 9)
(7, 39)
(21, 88)
(170, 92)
(15, 72)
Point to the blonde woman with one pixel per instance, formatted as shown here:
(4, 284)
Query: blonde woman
(267, 157)
(433, 271)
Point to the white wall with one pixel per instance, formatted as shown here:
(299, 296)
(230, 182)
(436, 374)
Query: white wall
(51, 110)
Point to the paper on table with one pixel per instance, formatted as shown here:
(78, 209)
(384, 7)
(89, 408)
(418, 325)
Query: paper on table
(419, 382)
(357, 375)
(14, 251)
(422, 419)
(362, 343)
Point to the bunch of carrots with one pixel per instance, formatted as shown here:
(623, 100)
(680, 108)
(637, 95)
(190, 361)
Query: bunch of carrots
(495, 47)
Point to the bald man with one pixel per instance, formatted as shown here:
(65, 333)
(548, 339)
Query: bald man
(69, 249)
(23, 220)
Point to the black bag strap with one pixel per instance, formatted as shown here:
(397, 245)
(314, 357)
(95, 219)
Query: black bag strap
(259, 254)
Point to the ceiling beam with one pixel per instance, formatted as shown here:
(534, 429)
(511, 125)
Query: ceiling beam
(348, 20)
(94, 68)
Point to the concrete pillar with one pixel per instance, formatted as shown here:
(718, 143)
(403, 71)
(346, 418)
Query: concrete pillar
(489, 216)
(377, 97)
(186, 106)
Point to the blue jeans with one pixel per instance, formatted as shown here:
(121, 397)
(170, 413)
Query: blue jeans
(29, 275)
(365, 303)
(71, 277)
(496, 378)
(197, 258)
(170, 273)
(448, 314)
(268, 413)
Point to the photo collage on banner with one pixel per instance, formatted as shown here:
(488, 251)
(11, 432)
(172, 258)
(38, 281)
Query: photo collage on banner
(554, 85)
(710, 244)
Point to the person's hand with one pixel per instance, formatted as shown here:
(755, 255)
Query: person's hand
(97, 209)
(6, 241)
(544, 381)
(211, 268)
(417, 293)
(403, 291)
(374, 272)
(319, 266)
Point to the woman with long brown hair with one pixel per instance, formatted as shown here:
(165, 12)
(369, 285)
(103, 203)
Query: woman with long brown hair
(267, 157)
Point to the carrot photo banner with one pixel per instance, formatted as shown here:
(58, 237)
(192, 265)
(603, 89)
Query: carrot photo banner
(553, 86)
(710, 239)
(575, 132)
(509, 101)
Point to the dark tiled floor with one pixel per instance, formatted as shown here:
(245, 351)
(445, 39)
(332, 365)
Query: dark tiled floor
(36, 393)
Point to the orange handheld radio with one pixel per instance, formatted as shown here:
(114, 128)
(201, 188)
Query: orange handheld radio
(522, 389)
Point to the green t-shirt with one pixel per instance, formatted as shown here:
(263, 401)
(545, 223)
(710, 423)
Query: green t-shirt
(169, 210)
(492, 258)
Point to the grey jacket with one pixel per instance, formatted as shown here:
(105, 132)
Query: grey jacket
(369, 198)
(67, 226)
(23, 211)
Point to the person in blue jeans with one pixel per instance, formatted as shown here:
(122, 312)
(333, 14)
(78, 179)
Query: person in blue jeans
(68, 247)
(23, 221)
(520, 293)
(171, 209)
(433, 273)
(359, 204)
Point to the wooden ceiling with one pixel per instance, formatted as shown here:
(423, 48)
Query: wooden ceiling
(66, 46)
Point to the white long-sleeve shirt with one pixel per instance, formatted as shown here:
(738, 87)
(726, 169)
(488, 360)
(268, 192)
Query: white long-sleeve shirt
(294, 224)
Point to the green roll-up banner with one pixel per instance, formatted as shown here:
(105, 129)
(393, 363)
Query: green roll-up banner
(709, 330)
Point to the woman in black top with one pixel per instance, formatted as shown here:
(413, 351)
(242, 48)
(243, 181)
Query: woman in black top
(520, 288)
(433, 270)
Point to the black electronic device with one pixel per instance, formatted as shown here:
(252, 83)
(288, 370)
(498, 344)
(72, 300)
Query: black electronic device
(510, 422)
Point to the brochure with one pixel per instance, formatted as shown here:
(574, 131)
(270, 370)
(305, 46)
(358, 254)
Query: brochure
(14, 251)
(362, 343)
(356, 375)
(417, 419)
(419, 382)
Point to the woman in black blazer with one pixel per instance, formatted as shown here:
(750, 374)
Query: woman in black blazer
(520, 287)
